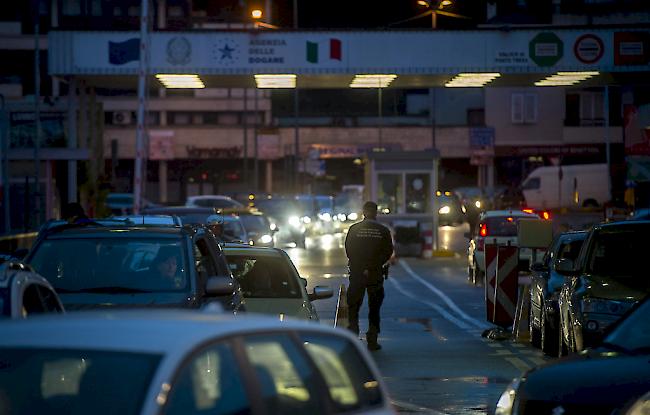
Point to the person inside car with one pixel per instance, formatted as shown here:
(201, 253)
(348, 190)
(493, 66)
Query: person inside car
(164, 268)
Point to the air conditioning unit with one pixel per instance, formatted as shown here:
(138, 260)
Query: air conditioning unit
(121, 118)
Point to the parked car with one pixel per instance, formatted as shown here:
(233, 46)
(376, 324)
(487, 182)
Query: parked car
(131, 266)
(498, 226)
(24, 293)
(609, 276)
(288, 217)
(545, 290)
(271, 284)
(180, 362)
(602, 380)
(581, 185)
(213, 201)
(122, 203)
(256, 224)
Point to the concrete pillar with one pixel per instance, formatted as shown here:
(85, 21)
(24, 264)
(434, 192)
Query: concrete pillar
(162, 180)
(268, 183)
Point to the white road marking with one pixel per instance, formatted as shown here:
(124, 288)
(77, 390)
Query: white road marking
(518, 363)
(444, 297)
(435, 306)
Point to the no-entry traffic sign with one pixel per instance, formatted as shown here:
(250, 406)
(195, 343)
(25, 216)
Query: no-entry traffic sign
(589, 48)
(546, 49)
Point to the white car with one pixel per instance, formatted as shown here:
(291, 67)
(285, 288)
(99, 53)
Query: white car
(499, 226)
(213, 201)
(183, 362)
(24, 293)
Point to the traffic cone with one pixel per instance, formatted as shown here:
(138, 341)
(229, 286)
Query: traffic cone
(341, 319)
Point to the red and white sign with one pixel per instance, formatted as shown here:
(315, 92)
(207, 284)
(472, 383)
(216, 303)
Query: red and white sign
(490, 267)
(161, 145)
(506, 286)
(589, 48)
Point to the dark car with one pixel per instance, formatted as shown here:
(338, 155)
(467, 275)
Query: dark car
(602, 380)
(609, 276)
(256, 225)
(95, 266)
(545, 289)
(289, 218)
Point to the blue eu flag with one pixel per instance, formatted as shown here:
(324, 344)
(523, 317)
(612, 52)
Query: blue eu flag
(120, 53)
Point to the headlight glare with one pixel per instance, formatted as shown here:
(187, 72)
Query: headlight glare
(444, 210)
(294, 221)
(266, 239)
(306, 219)
(353, 216)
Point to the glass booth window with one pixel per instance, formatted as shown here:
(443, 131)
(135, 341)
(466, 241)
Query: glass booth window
(417, 189)
(390, 194)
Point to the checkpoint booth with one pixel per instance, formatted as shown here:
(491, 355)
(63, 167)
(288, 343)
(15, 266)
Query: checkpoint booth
(404, 185)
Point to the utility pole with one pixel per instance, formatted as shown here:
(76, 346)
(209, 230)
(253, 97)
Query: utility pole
(296, 116)
(4, 142)
(37, 116)
(140, 150)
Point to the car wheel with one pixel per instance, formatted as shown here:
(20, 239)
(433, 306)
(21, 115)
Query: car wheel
(549, 341)
(535, 333)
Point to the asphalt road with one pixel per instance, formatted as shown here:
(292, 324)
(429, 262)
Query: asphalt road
(433, 359)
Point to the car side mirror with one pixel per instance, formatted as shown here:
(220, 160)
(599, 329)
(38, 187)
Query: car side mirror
(20, 253)
(304, 282)
(320, 292)
(538, 267)
(566, 267)
(219, 286)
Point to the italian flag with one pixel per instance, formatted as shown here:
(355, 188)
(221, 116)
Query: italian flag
(334, 49)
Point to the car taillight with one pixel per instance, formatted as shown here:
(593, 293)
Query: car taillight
(483, 230)
(480, 244)
(545, 215)
(528, 210)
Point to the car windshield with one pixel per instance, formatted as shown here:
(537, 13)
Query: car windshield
(264, 276)
(112, 265)
(234, 227)
(502, 225)
(633, 334)
(58, 381)
(255, 223)
(620, 253)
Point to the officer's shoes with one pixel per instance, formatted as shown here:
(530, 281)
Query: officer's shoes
(374, 346)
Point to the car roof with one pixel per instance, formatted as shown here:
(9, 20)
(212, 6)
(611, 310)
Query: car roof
(126, 231)
(180, 209)
(248, 250)
(222, 197)
(144, 331)
(622, 224)
(505, 213)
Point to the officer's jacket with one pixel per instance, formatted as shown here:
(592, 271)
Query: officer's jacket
(368, 245)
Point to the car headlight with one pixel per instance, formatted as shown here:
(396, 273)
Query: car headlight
(603, 306)
(306, 219)
(463, 209)
(266, 239)
(294, 221)
(353, 216)
(326, 217)
(477, 204)
(444, 210)
(342, 217)
(506, 403)
(273, 227)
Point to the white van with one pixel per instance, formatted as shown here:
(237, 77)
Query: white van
(578, 185)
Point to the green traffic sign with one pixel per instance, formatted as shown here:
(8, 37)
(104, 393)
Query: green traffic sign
(546, 49)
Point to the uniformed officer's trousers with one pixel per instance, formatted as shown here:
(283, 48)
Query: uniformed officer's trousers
(359, 283)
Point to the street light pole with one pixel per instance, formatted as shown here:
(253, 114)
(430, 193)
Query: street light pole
(140, 156)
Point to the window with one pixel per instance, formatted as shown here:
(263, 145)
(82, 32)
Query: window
(417, 189)
(592, 109)
(288, 384)
(211, 383)
(264, 276)
(523, 108)
(205, 267)
(44, 381)
(32, 303)
(534, 183)
(351, 384)
(390, 194)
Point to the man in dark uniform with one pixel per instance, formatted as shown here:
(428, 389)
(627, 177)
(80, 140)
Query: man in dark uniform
(368, 246)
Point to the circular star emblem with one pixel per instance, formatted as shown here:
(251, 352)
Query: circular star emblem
(226, 51)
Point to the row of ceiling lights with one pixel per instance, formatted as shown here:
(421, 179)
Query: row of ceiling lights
(462, 80)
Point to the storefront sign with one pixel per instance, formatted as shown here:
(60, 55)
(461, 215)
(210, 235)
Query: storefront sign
(213, 153)
(334, 151)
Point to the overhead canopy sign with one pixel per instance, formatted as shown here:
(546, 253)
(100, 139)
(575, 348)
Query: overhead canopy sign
(397, 52)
